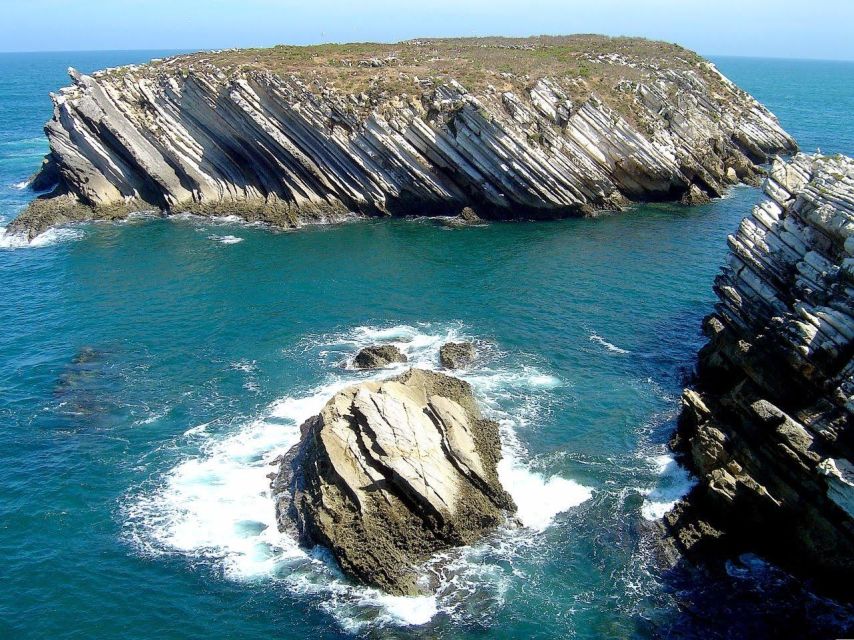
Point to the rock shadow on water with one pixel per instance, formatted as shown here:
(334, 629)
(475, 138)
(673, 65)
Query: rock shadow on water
(746, 597)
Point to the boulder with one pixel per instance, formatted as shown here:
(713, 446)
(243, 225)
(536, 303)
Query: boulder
(456, 355)
(377, 356)
(391, 472)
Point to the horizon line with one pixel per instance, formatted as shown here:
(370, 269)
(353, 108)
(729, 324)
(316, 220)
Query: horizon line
(203, 49)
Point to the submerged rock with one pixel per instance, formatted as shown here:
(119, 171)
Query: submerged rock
(242, 133)
(769, 428)
(391, 472)
(456, 355)
(47, 176)
(377, 356)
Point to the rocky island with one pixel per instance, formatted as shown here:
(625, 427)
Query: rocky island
(500, 128)
(389, 473)
(768, 429)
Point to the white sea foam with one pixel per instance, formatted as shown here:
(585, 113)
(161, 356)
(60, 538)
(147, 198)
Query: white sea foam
(225, 239)
(49, 237)
(539, 499)
(20, 186)
(217, 504)
(595, 337)
(674, 482)
(214, 221)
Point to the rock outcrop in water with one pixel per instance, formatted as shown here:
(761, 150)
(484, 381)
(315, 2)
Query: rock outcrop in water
(377, 356)
(768, 428)
(533, 128)
(391, 472)
(456, 355)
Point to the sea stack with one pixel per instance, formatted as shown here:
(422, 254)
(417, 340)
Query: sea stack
(768, 427)
(389, 473)
(531, 128)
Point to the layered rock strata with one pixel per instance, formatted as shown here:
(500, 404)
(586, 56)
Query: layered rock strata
(768, 428)
(391, 472)
(289, 135)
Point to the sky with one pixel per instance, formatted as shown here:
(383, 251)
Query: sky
(822, 29)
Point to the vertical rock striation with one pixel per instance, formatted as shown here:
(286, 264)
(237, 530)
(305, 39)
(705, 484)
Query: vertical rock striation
(275, 138)
(768, 428)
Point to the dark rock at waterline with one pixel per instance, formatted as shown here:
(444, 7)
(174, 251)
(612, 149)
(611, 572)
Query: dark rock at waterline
(456, 355)
(467, 217)
(769, 428)
(391, 472)
(694, 196)
(47, 177)
(377, 356)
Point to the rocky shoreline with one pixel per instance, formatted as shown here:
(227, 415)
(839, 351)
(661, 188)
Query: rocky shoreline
(767, 429)
(554, 127)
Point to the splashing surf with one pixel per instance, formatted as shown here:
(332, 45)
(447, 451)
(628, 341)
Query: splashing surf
(46, 239)
(217, 505)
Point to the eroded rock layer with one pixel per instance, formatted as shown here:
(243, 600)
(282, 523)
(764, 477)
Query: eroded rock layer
(768, 429)
(208, 135)
(389, 473)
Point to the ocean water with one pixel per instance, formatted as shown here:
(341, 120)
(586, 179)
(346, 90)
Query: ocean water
(151, 370)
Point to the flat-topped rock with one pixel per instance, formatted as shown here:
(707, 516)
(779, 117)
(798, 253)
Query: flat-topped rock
(378, 356)
(391, 472)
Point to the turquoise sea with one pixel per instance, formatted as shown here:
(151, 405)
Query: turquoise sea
(151, 370)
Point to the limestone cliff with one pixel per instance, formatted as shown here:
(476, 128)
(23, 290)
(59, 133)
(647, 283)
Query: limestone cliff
(768, 428)
(531, 128)
(389, 473)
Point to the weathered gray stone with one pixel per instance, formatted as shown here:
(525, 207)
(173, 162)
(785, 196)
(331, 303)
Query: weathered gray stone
(391, 472)
(185, 134)
(456, 355)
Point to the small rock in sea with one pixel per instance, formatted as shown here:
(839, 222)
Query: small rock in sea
(456, 355)
(391, 472)
(469, 215)
(377, 356)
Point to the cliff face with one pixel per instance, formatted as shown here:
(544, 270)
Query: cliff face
(534, 128)
(768, 429)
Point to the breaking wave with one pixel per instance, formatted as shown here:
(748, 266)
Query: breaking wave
(673, 483)
(49, 237)
(217, 506)
(225, 239)
(595, 337)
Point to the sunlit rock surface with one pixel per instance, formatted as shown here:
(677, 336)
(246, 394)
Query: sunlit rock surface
(768, 428)
(534, 128)
(391, 472)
